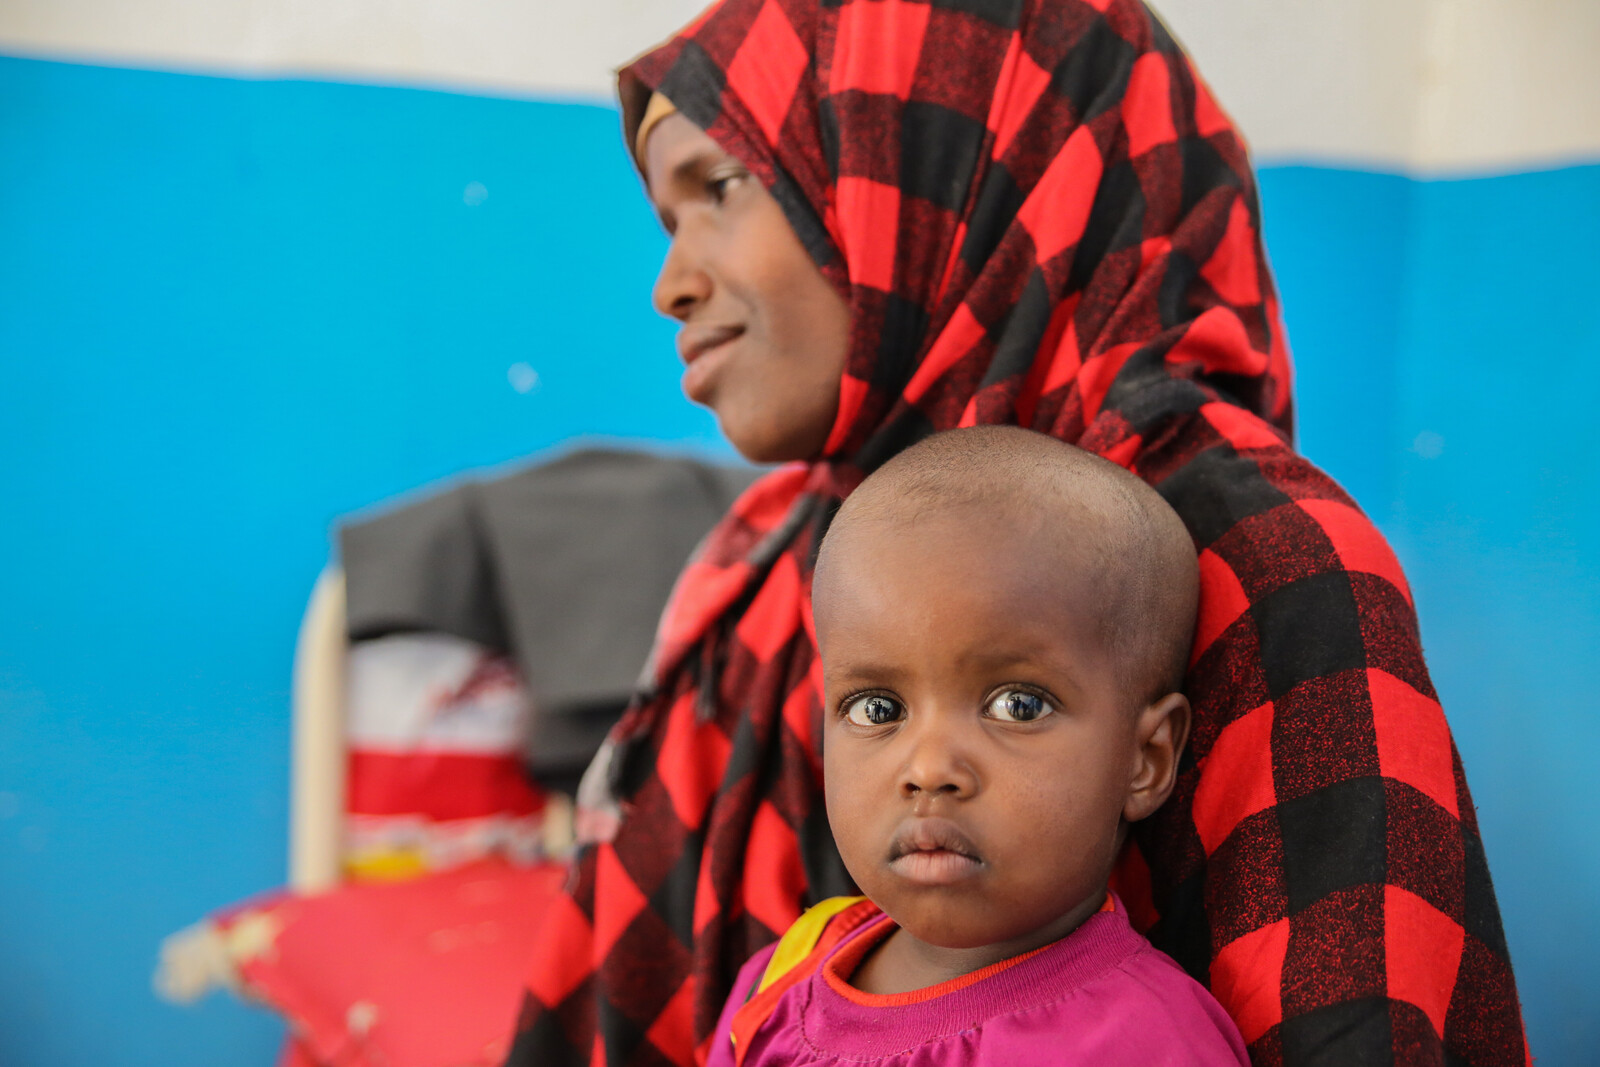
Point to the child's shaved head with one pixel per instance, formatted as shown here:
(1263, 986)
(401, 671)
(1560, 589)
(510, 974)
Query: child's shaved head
(1003, 622)
(1093, 516)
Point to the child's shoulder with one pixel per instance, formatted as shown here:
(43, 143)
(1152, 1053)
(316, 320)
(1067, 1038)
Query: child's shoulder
(1165, 1015)
(802, 948)
(820, 928)
(774, 970)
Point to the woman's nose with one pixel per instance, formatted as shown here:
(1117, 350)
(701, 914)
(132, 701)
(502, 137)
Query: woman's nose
(938, 763)
(682, 284)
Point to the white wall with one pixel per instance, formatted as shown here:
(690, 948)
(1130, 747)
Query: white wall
(498, 47)
(1423, 85)
(1419, 85)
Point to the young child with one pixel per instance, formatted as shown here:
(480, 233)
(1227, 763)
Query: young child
(1004, 621)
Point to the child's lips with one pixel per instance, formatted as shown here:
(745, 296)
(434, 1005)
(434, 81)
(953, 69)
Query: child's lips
(935, 868)
(933, 852)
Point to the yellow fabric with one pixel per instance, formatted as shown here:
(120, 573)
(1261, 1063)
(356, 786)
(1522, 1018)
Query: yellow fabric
(386, 865)
(658, 108)
(798, 941)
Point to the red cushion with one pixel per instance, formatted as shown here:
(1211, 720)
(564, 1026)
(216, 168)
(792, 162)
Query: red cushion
(423, 973)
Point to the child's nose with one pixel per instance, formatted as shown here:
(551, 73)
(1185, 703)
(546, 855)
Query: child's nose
(937, 764)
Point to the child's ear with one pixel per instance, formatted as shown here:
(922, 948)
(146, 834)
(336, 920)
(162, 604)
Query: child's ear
(1160, 733)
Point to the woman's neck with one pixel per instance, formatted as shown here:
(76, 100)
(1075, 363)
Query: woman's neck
(903, 962)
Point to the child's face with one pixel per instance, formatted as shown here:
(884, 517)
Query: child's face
(979, 753)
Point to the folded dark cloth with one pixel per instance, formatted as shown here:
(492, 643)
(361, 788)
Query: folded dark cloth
(564, 565)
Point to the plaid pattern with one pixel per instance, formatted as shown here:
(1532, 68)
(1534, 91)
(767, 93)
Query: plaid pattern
(1040, 216)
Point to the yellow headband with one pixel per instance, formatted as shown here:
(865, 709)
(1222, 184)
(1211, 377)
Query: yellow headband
(658, 108)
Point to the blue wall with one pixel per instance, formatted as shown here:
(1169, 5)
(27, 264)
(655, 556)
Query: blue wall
(232, 310)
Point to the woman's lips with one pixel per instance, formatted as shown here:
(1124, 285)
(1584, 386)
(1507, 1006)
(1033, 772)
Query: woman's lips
(704, 349)
(933, 852)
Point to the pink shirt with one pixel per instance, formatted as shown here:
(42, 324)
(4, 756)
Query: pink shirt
(1100, 996)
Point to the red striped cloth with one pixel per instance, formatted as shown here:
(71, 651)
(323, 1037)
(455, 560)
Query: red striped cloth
(435, 729)
(440, 786)
(1040, 216)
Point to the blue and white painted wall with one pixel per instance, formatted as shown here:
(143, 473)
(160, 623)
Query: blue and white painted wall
(262, 264)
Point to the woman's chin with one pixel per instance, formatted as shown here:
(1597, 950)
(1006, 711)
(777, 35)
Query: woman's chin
(762, 441)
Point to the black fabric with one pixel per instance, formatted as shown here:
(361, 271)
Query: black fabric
(564, 565)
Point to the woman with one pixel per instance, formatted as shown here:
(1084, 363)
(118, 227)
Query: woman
(894, 217)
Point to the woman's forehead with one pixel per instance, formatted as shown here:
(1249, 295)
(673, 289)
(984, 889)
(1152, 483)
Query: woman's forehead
(674, 150)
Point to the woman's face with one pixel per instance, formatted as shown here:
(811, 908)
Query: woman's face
(764, 335)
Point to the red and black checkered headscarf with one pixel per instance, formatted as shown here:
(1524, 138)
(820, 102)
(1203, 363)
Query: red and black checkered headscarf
(1039, 216)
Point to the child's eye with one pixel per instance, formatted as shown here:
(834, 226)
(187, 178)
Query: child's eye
(1018, 705)
(873, 709)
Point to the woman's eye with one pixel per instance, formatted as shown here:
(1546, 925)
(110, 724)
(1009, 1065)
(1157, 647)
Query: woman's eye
(873, 710)
(1018, 705)
(718, 186)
